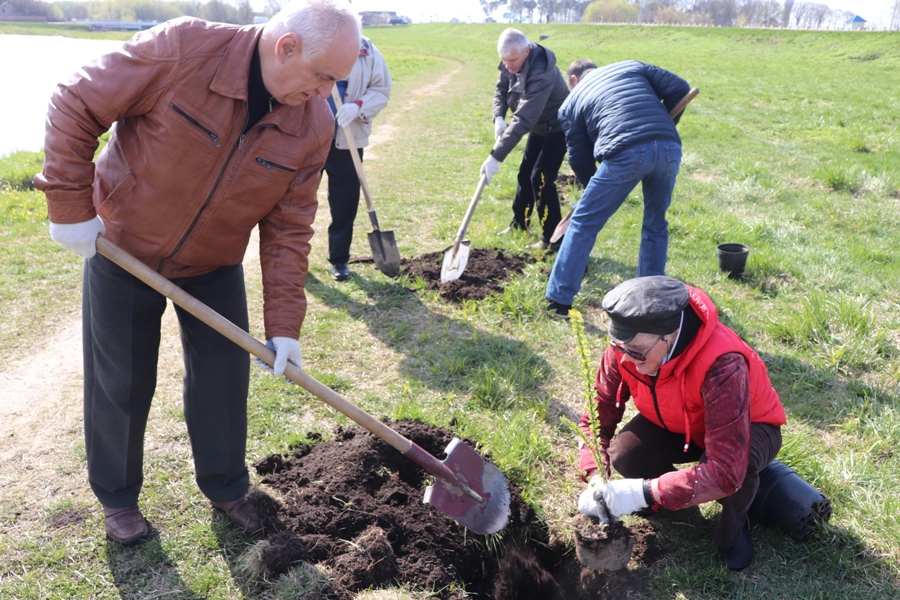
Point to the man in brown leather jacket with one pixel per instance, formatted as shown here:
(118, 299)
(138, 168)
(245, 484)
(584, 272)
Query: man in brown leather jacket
(216, 129)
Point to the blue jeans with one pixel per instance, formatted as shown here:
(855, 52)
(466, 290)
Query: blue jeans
(653, 164)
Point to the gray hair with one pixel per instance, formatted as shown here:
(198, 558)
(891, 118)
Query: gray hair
(316, 22)
(509, 39)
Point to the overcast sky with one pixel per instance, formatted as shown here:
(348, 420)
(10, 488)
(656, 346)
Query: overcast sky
(470, 10)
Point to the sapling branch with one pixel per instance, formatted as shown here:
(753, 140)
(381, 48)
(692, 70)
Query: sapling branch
(586, 371)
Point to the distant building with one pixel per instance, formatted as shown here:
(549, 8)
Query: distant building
(857, 22)
(8, 12)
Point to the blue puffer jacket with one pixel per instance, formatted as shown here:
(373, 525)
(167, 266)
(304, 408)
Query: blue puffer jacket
(616, 107)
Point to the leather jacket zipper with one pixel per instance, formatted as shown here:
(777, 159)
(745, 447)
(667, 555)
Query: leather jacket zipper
(196, 124)
(270, 165)
(237, 145)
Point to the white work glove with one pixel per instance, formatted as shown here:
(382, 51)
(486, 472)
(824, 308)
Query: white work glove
(286, 349)
(490, 168)
(347, 113)
(80, 238)
(589, 501)
(499, 127)
(623, 496)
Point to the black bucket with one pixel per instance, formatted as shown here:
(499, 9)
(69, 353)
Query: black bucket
(733, 259)
(786, 501)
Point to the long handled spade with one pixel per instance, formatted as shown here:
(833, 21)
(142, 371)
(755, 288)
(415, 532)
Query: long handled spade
(457, 256)
(383, 245)
(466, 488)
(679, 108)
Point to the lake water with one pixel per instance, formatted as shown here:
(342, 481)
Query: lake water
(31, 66)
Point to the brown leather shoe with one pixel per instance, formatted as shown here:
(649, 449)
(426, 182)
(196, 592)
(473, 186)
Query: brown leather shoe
(125, 525)
(242, 513)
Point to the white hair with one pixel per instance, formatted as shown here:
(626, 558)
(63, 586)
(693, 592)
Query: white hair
(509, 39)
(316, 22)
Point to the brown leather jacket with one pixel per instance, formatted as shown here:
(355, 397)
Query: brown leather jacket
(179, 185)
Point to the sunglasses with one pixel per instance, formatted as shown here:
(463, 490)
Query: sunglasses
(638, 356)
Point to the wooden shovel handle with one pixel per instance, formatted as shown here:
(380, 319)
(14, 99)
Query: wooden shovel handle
(293, 372)
(682, 104)
(248, 342)
(357, 162)
(468, 217)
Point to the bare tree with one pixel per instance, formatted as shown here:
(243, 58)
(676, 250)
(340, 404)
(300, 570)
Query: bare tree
(895, 15)
(801, 14)
(818, 14)
(489, 6)
(786, 16)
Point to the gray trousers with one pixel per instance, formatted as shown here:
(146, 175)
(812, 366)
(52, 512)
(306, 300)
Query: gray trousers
(643, 450)
(121, 327)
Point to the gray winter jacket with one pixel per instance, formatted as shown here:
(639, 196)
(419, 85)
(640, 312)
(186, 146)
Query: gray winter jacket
(534, 97)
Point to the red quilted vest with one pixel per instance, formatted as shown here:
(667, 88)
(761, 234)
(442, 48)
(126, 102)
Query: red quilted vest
(678, 405)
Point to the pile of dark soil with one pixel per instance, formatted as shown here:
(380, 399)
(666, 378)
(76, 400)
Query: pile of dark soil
(485, 273)
(354, 505)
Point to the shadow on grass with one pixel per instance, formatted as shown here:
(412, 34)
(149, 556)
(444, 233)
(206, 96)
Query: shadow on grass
(444, 354)
(146, 571)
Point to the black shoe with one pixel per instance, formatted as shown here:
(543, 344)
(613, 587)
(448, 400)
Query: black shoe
(739, 556)
(340, 272)
(560, 311)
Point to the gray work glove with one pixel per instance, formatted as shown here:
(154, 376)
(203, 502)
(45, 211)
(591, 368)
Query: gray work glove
(286, 350)
(80, 238)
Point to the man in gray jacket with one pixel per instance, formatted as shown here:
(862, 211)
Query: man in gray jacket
(532, 87)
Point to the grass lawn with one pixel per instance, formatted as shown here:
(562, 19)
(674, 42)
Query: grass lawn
(792, 148)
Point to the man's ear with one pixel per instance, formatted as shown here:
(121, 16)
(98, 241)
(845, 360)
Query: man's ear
(287, 46)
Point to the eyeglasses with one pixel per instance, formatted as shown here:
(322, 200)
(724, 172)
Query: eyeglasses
(638, 356)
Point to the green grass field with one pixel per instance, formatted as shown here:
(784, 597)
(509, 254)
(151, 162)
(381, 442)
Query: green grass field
(792, 148)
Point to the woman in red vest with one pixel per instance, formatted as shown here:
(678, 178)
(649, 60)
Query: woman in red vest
(704, 398)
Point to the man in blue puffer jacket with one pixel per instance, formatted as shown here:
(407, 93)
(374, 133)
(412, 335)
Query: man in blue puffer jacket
(618, 116)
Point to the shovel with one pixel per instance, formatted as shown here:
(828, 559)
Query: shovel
(679, 108)
(457, 256)
(383, 245)
(469, 490)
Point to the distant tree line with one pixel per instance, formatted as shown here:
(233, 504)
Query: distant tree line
(722, 13)
(238, 12)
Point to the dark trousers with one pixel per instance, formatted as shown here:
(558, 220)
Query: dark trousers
(343, 200)
(643, 450)
(537, 182)
(121, 319)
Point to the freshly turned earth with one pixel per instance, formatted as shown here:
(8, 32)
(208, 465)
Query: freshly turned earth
(354, 506)
(486, 272)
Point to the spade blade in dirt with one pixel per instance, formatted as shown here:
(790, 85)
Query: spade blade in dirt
(490, 514)
(458, 255)
(384, 250)
(454, 264)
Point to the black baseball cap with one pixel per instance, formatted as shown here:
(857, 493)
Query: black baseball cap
(645, 305)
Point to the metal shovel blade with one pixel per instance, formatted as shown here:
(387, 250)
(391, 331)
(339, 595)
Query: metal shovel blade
(561, 228)
(385, 252)
(489, 516)
(454, 264)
